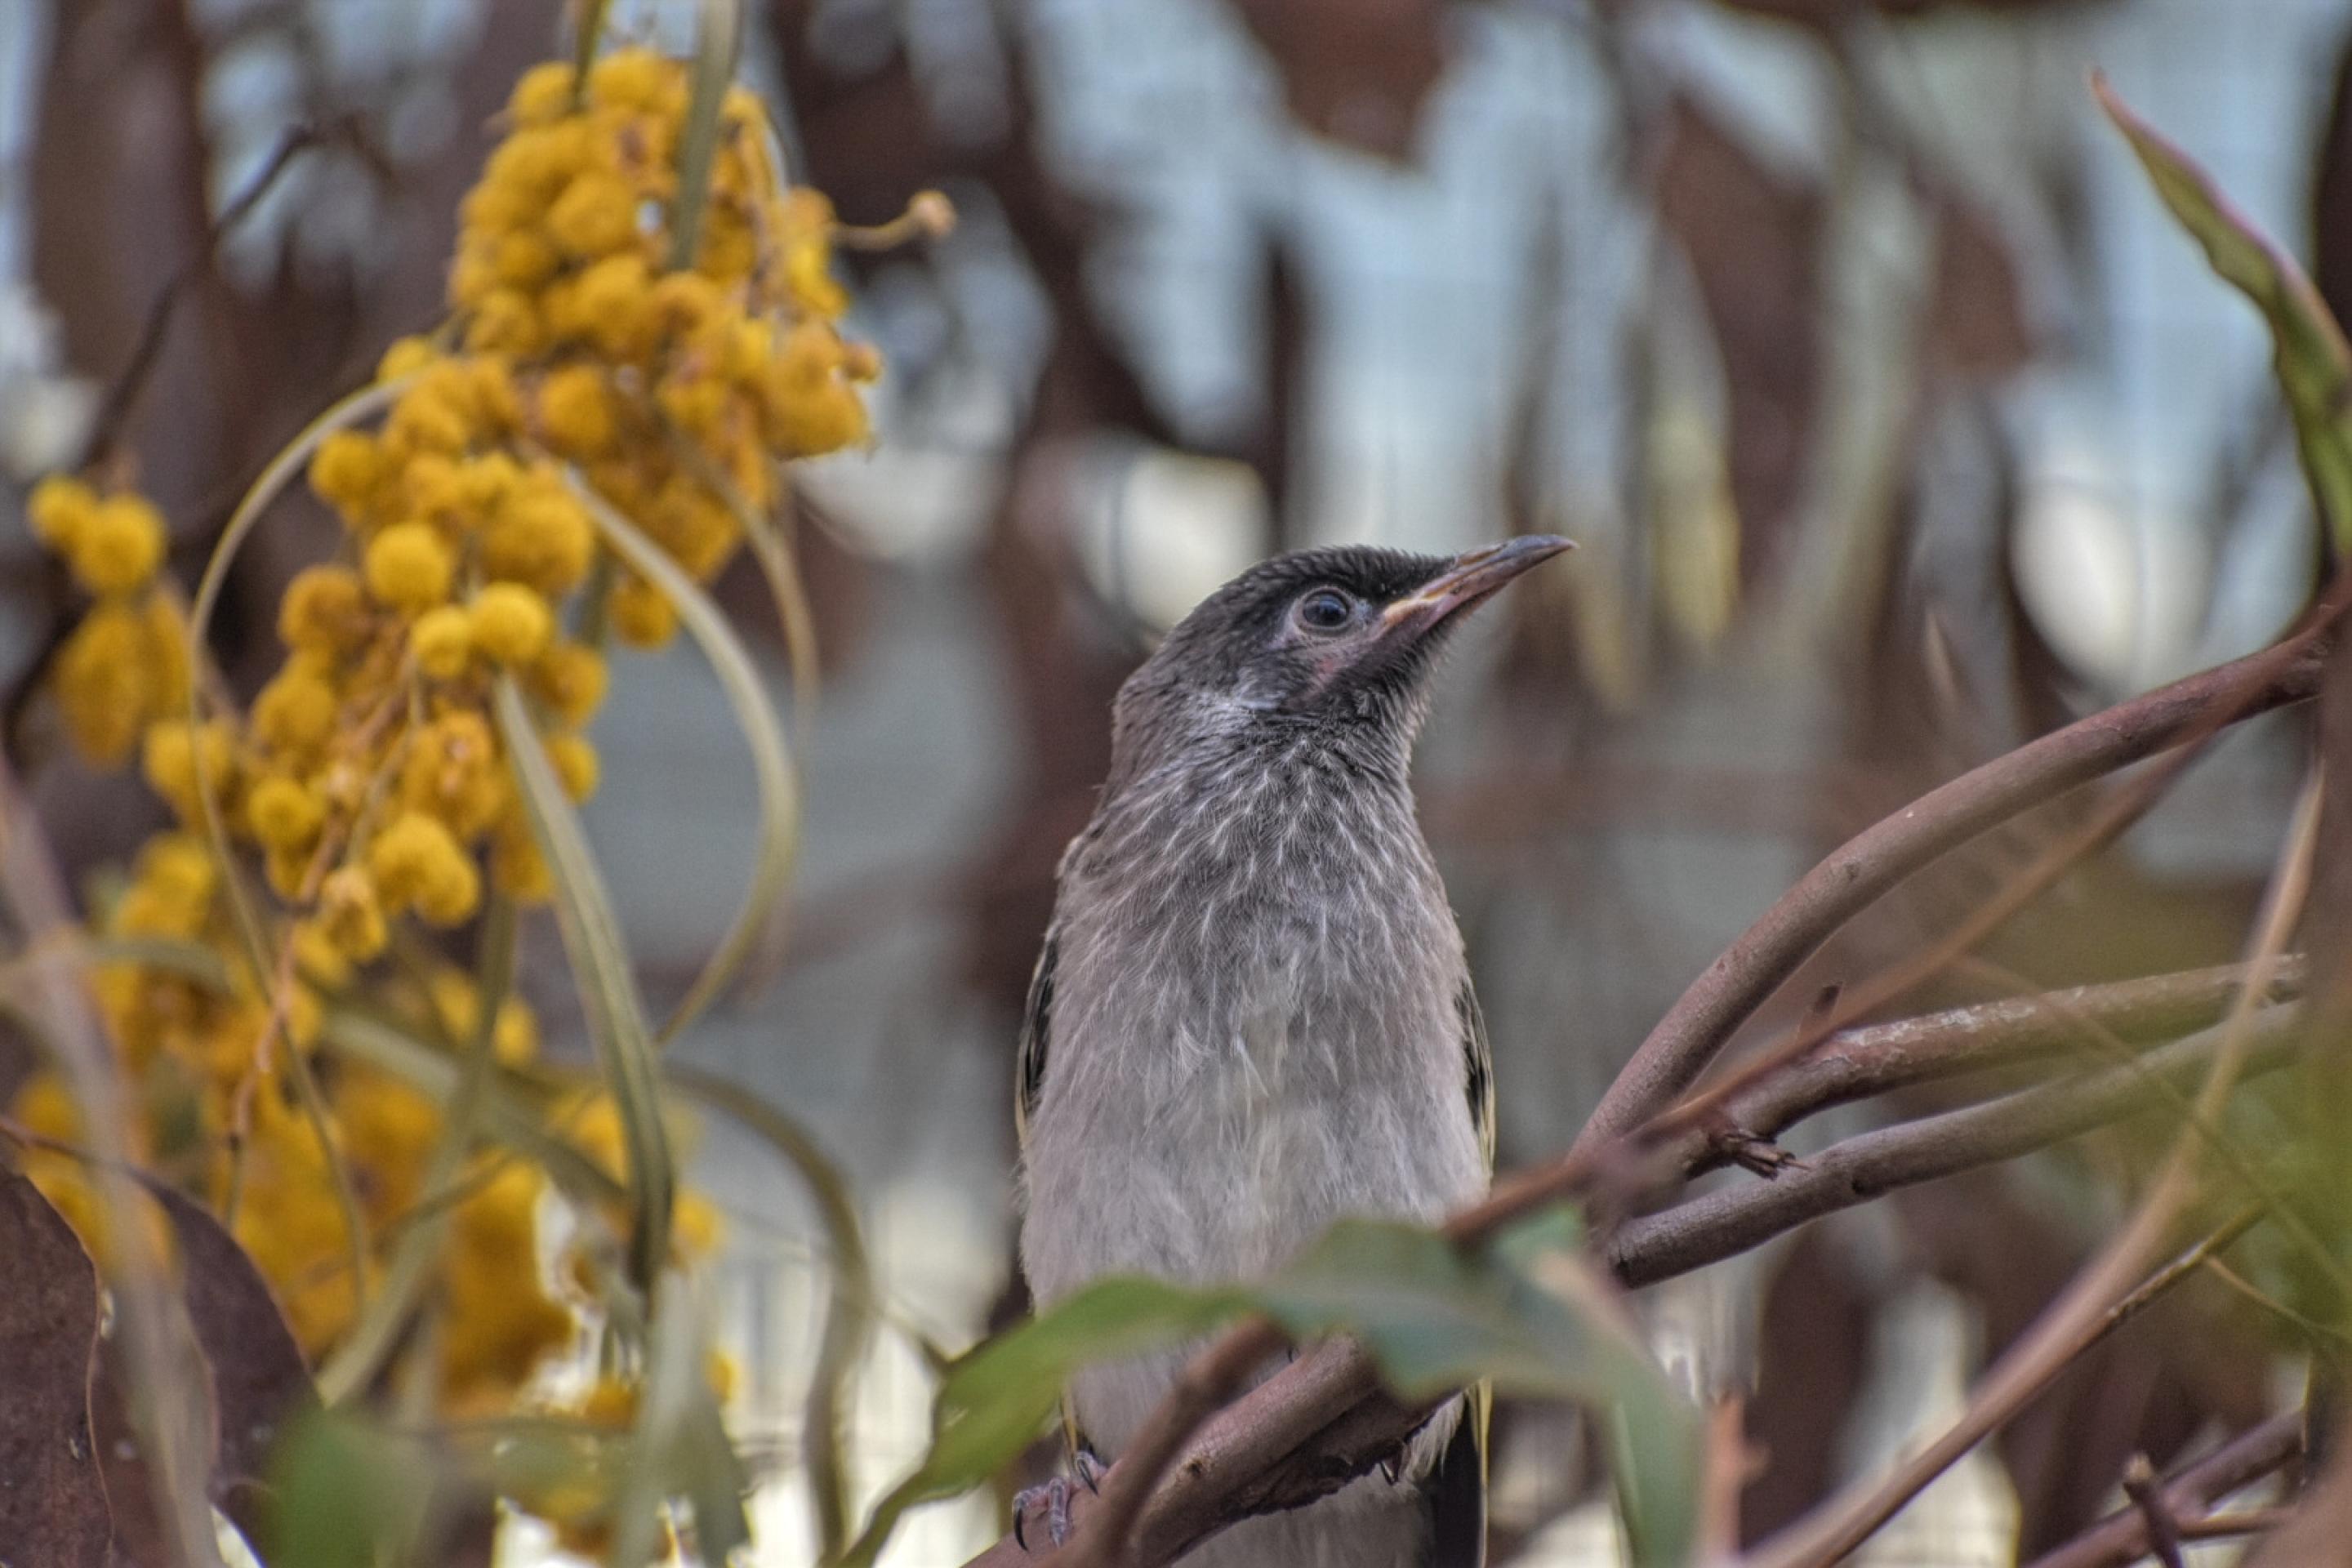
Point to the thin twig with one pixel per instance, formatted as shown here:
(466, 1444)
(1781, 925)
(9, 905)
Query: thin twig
(2122, 1536)
(2163, 1529)
(123, 392)
(1731, 1220)
(1860, 1063)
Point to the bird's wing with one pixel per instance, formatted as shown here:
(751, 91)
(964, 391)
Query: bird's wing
(1458, 1490)
(1029, 1072)
(1477, 1065)
(1028, 1084)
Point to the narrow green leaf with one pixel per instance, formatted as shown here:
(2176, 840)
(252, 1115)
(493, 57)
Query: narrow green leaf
(747, 698)
(850, 1314)
(606, 983)
(775, 558)
(365, 1349)
(678, 1446)
(508, 1113)
(2312, 365)
(588, 31)
(719, 37)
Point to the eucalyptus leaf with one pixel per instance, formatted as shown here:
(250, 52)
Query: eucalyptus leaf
(2312, 365)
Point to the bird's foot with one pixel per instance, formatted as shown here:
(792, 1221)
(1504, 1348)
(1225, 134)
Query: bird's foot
(1054, 1497)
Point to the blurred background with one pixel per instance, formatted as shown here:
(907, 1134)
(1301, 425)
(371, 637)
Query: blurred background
(1895, 421)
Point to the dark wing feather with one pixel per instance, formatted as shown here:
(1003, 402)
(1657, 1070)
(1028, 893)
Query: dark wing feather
(1478, 1066)
(1036, 1018)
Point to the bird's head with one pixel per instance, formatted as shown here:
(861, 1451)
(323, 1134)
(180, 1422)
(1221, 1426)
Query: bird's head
(1340, 637)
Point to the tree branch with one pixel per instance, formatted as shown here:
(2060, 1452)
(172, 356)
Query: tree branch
(1870, 1165)
(1853, 876)
(1860, 1063)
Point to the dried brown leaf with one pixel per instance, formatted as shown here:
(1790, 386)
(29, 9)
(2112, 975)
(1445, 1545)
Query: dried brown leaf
(52, 1500)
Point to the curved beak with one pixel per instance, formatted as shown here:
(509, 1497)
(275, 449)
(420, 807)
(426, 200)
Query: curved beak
(1476, 577)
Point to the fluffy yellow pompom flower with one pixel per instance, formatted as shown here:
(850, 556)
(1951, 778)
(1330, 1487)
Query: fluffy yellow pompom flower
(294, 715)
(641, 616)
(427, 419)
(609, 305)
(60, 509)
(516, 868)
(456, 774)
(118, 547)
(542, 93)
(418, 865)
(575, 764)
(570, 679)
(540, 537)
(105, 688)
(350, 915)
(595, 216)
(405, 356)
(173, 754)
(638, 79)
(345, 471)
(576, 412)
(284, 814)
(442, 642)
(505, 321)
(409, 567)
(325, 612)
(510, 624)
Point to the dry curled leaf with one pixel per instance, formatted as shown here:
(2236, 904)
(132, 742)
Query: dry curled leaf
(52, 1502)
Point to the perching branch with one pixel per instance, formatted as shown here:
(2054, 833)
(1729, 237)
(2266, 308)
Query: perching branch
(1854, 875)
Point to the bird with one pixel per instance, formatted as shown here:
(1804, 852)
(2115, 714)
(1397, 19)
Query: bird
(1252, 1017)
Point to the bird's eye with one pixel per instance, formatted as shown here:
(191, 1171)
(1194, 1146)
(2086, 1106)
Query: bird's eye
(1325, 610)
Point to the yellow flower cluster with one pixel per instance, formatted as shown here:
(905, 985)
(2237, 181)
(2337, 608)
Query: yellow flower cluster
(126, 663)
(675, 392)
(369, 781)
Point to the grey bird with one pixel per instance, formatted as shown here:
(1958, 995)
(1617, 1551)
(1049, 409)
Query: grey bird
(1252, 1017)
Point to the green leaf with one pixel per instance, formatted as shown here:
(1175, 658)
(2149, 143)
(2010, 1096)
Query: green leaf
(349, 1495)
(771, 863)
(1525, 1313)
(2312, 365)
(606, 983)
(719, 36)
(995, 1401)
(849, 1316)
(678, 1446)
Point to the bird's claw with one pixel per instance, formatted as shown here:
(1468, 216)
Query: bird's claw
(1055, 1496)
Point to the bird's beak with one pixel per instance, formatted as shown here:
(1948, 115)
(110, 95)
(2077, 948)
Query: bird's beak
(1474, 577)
